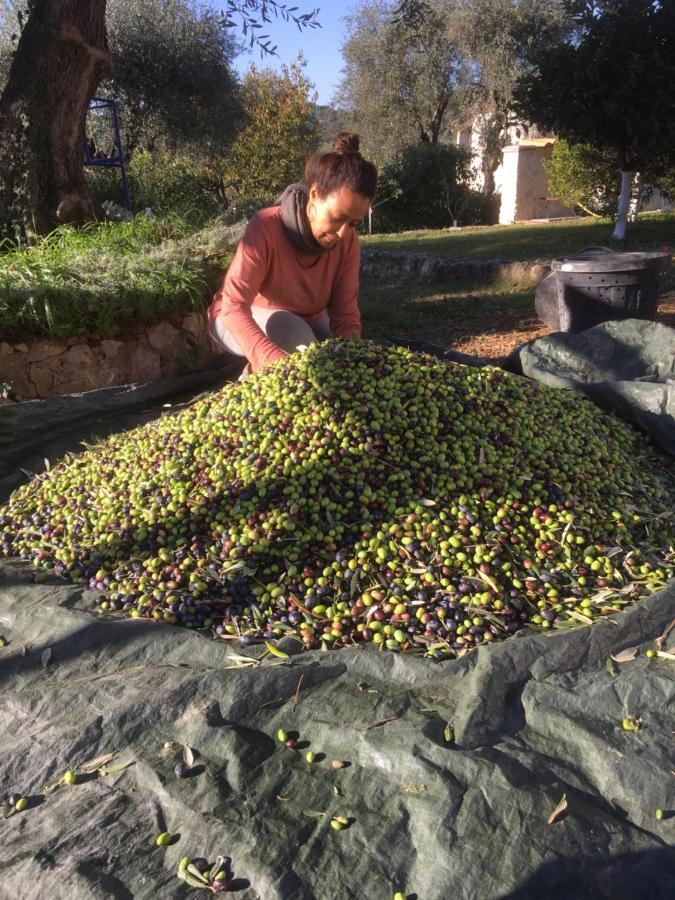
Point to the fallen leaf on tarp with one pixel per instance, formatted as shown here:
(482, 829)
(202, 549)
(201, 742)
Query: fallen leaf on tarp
(560, 809)
(425, 501)
(114, 770)
(660, 641)
(449, 734)
(92, 765)
(380, 722)
(188, 756)
(313, 814)
(411, 789)
(45, 657)
(626, 655)
(663, 654)
(167, 748)
(88, 768)
(611, 668)
(240, 660)
(275, 651)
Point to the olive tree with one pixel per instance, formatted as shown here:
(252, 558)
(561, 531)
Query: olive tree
(609, 83)
(61, 56)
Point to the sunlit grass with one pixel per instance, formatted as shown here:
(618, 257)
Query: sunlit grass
(99, 279)
(529, 242)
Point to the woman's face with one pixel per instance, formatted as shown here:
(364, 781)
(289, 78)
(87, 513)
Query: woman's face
(331, 216)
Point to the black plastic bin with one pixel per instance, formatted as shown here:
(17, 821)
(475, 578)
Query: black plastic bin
(598, 285)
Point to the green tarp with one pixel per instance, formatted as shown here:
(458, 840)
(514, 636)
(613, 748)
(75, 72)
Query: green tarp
(626, 367)
(534, 718)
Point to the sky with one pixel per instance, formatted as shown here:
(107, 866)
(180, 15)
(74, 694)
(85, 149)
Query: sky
(320, 46)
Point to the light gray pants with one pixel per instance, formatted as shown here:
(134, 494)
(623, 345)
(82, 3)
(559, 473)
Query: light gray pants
(286, 329)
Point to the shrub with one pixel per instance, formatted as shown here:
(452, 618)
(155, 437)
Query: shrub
(165, 182)
(584, 176)
(425, 186)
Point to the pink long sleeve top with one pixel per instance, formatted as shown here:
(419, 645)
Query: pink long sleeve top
(267, 271)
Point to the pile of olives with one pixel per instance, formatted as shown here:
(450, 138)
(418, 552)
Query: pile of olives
(360, 494)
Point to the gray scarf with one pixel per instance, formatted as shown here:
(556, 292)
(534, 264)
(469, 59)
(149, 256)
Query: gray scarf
(293, 204)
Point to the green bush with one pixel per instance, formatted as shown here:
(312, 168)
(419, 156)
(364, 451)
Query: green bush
(163, 182)
(425, 186)
(584, 176)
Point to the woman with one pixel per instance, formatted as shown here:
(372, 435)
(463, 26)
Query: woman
(295, 276)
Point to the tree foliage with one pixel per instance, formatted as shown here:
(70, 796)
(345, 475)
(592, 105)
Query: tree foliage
(401, 77)
(424, 186)
(495, 36)
(609, 83)
(584, 176)
(251, 16)
(280, 132)
(172, 74)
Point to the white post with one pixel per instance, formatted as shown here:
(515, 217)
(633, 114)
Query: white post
(624, 201)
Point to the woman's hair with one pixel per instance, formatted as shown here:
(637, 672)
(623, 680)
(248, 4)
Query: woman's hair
(343, 166)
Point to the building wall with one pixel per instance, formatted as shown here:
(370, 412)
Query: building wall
(524, 185)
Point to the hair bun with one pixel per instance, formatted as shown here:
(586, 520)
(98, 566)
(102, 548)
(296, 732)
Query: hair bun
(345, 142)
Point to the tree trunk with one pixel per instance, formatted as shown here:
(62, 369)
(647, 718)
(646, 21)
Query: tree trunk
(624, 201)
(61, 57)
(437, 120)
(635, 191)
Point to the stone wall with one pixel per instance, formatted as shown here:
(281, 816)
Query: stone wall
(390, 264)
(46, 367)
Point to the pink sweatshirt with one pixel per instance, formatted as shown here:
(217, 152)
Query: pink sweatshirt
(266, 271)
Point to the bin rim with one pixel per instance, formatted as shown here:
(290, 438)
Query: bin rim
(613, 262)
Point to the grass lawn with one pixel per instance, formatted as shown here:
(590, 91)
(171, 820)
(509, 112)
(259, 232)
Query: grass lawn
(529, 242)
(98, 281)
(491, 320)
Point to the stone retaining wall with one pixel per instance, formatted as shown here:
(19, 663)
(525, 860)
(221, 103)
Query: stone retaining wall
(46, 367)
(401, 264)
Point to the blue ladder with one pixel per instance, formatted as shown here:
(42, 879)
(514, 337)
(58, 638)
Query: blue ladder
(109, 162)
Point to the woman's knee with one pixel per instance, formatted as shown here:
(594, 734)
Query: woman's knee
(288, 331)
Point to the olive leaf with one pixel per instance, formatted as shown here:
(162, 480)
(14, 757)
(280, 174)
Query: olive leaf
(275, 651)
(491, 583)
(45, 656)
(426, 502)
(93, 765)
(114, 770)
(216, 867)
(188, 756)
(611, 668)
(449, 734)
(313, 814)
(580, 617)
(626, 655)
(197, 875)
(560, 809)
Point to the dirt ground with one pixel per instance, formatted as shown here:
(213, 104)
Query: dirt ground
(513, 327)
